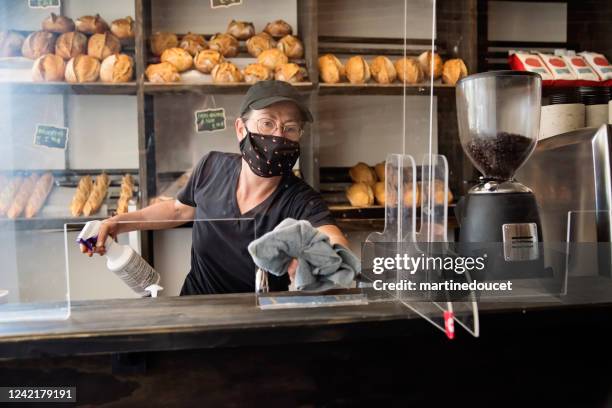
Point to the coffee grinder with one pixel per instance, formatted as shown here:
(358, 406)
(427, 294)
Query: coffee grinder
(499, 121)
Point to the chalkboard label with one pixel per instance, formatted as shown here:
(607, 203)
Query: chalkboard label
(224, 3)
(51, 136)
(43, 3)
(210, 120)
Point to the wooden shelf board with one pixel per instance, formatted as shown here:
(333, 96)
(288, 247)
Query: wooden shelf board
(237, 88)
(372, 88)
(90, 88)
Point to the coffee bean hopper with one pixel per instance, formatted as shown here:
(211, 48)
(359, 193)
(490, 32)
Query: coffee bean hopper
(499, 121)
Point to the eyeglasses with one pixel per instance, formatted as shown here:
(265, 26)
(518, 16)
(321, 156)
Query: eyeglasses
(289, 130)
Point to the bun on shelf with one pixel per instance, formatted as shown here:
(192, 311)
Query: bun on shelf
(357, 70)
(362, 173)
(453, 71)
(38, 44)
(49, 67)
(379, 169)
(360, 195)
(101, 46)
(241, 30)
(289, 72)
(58, 24)
(278, 28)
(410, 195)
(82, 68)
(178, 57)
(164, 72)
(256, 72)
(123, 28)
(331, 69)
(10, 43)
(206, 60)
(426, 65)
(259, 43)
(226, 73)
(161, 41)
(409, 70)
(291, 46)
(272, 58)
(69, 45)
(382, 70)
(193, 43)
(91, 24)
(225, 44)
(117, 68)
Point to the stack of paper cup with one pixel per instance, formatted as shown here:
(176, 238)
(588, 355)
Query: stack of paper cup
(558, 119)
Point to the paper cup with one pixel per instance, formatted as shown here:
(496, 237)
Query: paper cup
(558, 119)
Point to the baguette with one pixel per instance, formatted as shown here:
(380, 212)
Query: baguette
(8, 194)
(96, 198)
(127, 190)
(22, 197)
(41, 191)
(81, 195)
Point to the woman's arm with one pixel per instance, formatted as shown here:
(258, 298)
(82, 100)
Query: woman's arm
(335, 235)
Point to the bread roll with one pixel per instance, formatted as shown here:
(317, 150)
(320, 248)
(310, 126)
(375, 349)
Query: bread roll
(425, 61)
(362, 173)
(226, 72)
(439, 193)
(123, 28)
(259, 43)
(289, 73)
(91, 24)
(410, 195)
(71, 44)
(360, 195)
(162, 41)
(21, 198)
(8, 194)
(383, 70)
(117, 68)
(357, 70)
(256, 72)
(81, 195)
(379, 192)
(178, 57)
(37, 44)
(330, 69)
(206, 60)
(241, 30)
(453, 71)
(49, 68)
(43, 187)
(278, 29)
(82, 68)
(379, 169)
(10, 43)
(101, 46)
(57, 24)
(291, 46)
(272, 58)
(162, 73)
(225, 44)
(193, 43)
(409, 70)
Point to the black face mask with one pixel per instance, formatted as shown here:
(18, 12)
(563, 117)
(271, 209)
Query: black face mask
(269, 156)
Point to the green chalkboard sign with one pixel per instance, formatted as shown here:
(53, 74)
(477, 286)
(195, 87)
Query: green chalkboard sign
(224, 3)
(51, 136)
(210, 120)
(43, 3)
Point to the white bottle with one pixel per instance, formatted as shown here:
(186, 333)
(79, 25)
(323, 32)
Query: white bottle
(123, 261)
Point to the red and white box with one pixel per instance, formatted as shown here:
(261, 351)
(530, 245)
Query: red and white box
(585, 74)
(523, 61)
(600, 64)
(561, 72)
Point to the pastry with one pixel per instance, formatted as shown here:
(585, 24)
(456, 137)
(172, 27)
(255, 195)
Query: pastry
(453, 71)
(330, 69)
(357, 70)
(117, 68)
(162, 41)
(206, 60)
(178, 57)
(101, 46)
(226, 72)
(409, 70)
(43, 187)
(37, 44)
(82, 68)
(57, 24)
(69, 45)
(91, 24)
(193, 43)
(226, 44)
(410, 195)
(289, 73)
(81, 195)
(123, 28)
(272, 58)
(258, 43)
(425, 61)
(382, 70)
(362, 173)
(8, 194)
(162, 72)
(379, 169)
(291, 46)
(360, 195)
(10, 43)
(278, 29)
(256, 72)
(21, 198)
(241, 30)
(49, 68)
(97, 195)
(127, 190)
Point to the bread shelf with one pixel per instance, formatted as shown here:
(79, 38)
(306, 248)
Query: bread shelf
(380, 89)
(92, 88)
(237, 88)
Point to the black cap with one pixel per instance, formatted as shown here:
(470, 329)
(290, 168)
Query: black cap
(265, 93)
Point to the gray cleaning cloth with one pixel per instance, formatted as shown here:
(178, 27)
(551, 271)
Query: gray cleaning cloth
(321, 266)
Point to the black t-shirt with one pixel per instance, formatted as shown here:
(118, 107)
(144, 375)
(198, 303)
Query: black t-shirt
(220, 262)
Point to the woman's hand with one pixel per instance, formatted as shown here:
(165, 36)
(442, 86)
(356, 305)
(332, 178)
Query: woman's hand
(109, 227)
(292, 269)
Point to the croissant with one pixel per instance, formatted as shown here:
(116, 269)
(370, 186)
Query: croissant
(382, 70)
(291, 46)
(43, 187)
(256, 72)
(241, 30)
(289, 72)
(206, 60)
(69, 45)
(22, 196)
(57, 24)
(8, 194)
(278, 29)
(331, 69)
(193, 43)
(357, 70)
(225, 44)
(226, 72)
(258, 43)
(272, 58)
(91, 24)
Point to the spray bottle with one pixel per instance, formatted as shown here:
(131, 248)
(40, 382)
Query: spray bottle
(123, 261)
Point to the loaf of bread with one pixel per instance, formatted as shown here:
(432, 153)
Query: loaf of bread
(10, 43)
(272, 58)
(69, 45)
(357, 70)
(383, 70)
(225, 73)
(379, 192)
(161, 41)
(97, 196)
(163, 72)
(412, 198)
(425, 59)
(91, 24)
(331, 69)
(206, 60)
(193, 43)
(360, 195)
(379, 169)
(259, 43)
(21, 198)
(362, 173)
(43, 188)
(38, 44)
(289, 72)
(127, 190)
(7, 195)
(123, 28)
(409, 70)
(49, 67)
(241, 30)
(256, 72)
(117, 68)
(81, 195)
(278, 29)
(82, 68)
(226, 44)
(291, 46)
(178, 57)
(101, 46)
(57, 24)
(453, 71)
